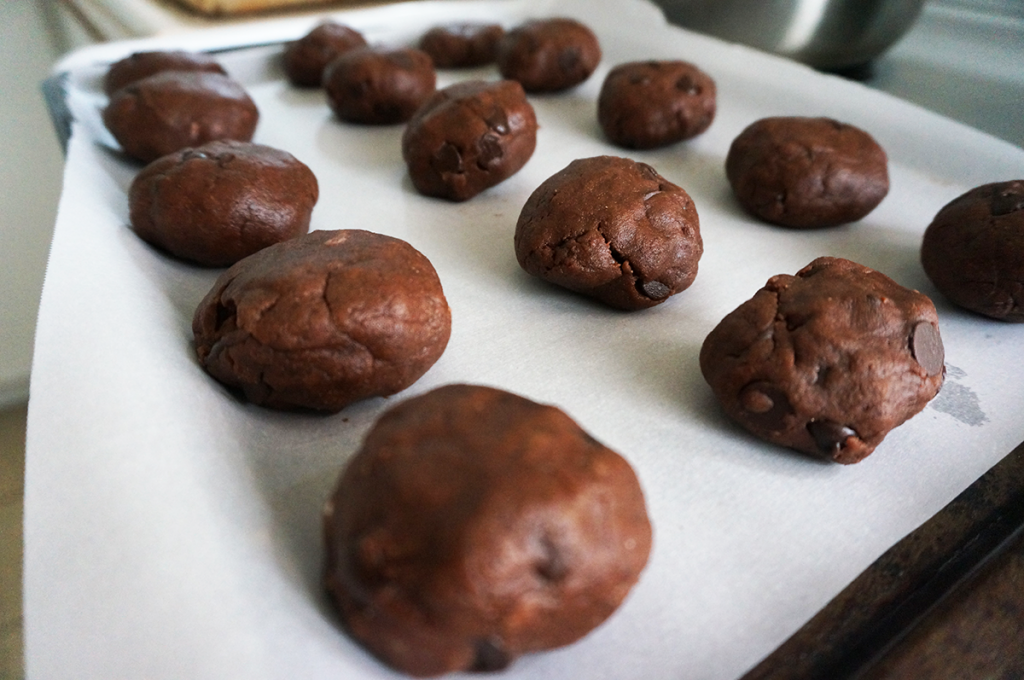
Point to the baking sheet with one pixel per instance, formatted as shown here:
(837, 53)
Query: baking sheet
(172, 531)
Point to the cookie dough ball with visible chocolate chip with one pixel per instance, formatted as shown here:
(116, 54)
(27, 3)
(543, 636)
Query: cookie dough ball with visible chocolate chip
(217, 203)
(172, 110)
(973, 251)
(807, 172)
(828, 361)
(647, 104)
(469, 137)
(549, 55)
(377, 86)
(474, 526)
(462, 45)
(323, 320)
(612, 229)
(144, 64)
(306, 58)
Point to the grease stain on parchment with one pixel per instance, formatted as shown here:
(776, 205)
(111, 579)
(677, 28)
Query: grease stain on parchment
(958, 400)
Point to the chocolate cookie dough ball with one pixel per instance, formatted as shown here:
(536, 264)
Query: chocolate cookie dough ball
(828, 361)
(973, 251)
(807, 172)
(323, 320)
(377, 86)
(462, 45)
(306, 58)
(144, 64)
(474, 526)
(217, 203)
(647, 104)
(469, 137)
(612, 229)
(549, 55)
(172, 110)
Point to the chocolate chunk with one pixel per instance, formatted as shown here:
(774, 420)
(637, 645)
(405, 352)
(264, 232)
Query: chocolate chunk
(829, 435)
(656, 290)
(926, 346)
(490, 656)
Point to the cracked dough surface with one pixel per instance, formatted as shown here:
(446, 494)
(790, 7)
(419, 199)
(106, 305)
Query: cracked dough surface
(324, 320)
(612, 229)
(475, 525)
(827, 361)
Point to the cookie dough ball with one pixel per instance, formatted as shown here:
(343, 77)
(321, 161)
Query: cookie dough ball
(973, 251)
(306, 58)
(474, 526)
(144, 64)
(377, 86)
(469, 137)
(462, 45)
(807, 172)
(215, 204)
(323, 320)
(828, 361)
(613, 229)
(647, 104)
(549, 55)
(172, 110)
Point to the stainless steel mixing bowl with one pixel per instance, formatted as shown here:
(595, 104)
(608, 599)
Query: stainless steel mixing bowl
(826, 34)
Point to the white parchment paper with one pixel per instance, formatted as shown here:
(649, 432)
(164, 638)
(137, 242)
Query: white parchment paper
(172, 531)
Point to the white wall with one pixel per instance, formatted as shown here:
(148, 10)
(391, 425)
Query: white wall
(31, 165)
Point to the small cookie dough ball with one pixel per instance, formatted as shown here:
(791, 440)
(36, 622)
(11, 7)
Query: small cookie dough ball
(549, 55)
(462, 45)
(828, 361)
(612, 229)
(376, 86)
(306, 58)
(323, 320)
(807, 172)
(973, 251)
(217, 203)
(469, 137)
(144, 64)
(474, 526)
(172, 110)
(647, 104)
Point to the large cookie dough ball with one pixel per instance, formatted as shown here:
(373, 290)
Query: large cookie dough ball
(217, 203)
(612, 229)
(549, 55)
(828, 361)
(306, 58)
(144, 64)
(377, 86)
(649, 104)
(807, 173)
(973, 251)
(323, 320)
(469, 137)
(475, 526)
(172, 110)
